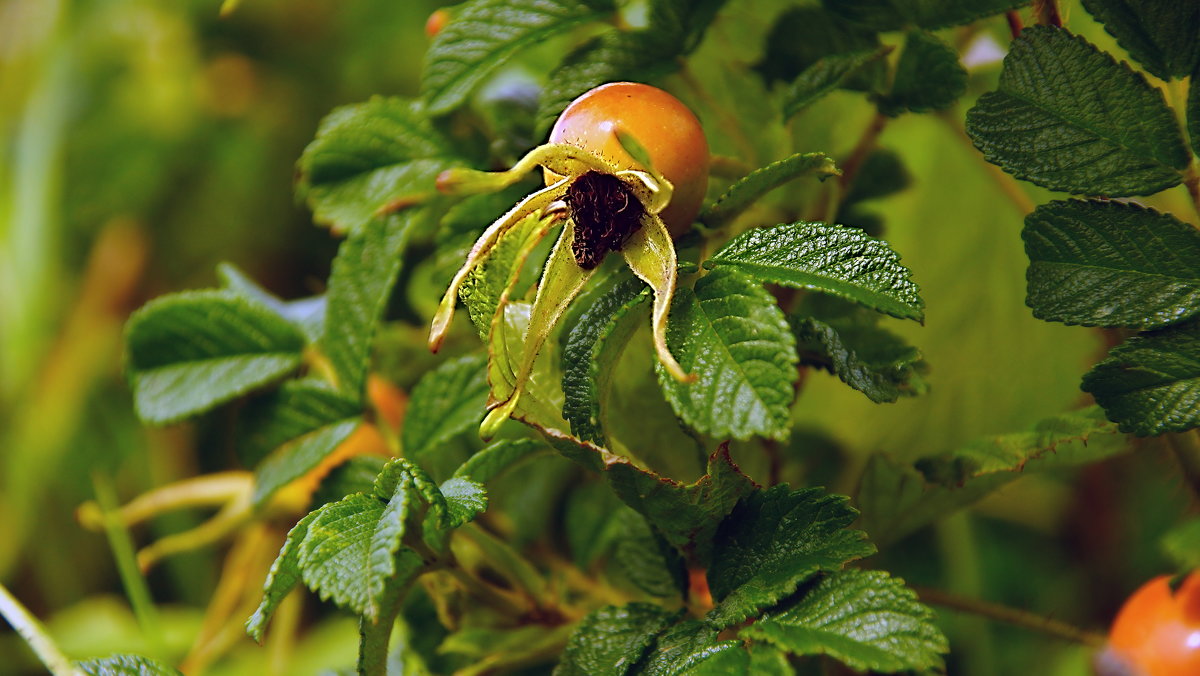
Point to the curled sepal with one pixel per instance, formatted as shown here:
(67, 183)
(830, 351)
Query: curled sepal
(561, 282)
(560, 158)
(531, 205)
(650, 253)
(651, 189)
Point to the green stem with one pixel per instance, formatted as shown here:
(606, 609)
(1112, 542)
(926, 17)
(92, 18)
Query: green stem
(123, 553)
(35, 635)
(374, 636)
(1014, 616)
(956, 541)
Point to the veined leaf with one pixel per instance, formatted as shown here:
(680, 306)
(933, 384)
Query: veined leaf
(447, 401)
(367, 156)
(898, 499)
(594, 344)
(928, 76)
(687, 515)
(465, 500)
(360, 284)
(823, 77)
(890, 15)
(1151, 383)
(282, 578)
(1068, 117)
(689, 647)
(1111, 264)
(308, 314)
(683, 22)
(612, 639)
(761, 181)
(732, 335)
(803, 36)
(868, 358)
(830, 258)
(485, 34)
(865, 619)
(648, 561)
(1162, 35)
(774, 540)
(291, 431)
(498, 457)
(127, 665)
(189, 352)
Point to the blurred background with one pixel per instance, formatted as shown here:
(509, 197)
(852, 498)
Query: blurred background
(142, 142)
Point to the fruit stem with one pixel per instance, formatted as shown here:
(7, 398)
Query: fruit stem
(1014, 616)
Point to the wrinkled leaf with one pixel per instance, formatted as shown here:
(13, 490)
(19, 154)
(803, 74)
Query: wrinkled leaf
(1162, 35)
(928, 77)
(446, 402)
(611, 640)
(759, 182)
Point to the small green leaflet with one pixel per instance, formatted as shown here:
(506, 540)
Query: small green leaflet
(865, 619)
(127, 665)
(683, 22)
(898, 499)
(687, 515)
(773, 541)
(369, 157)
(868, 358)
(1151, 383)
(188, 352)
(690, 647)
(611, 640)
(647, 561)
(498, 457)
(834, 259)
(485, 34)
(595, 341)
(928, 77)
(827, 74)
(1068, 117)
(290, 431)
(1162, 35)
(731, 333)
(890, 15)
(465, 499)
(447, 402)
(763, 180)
(803, 36)
(360, 284)
(1111, 264)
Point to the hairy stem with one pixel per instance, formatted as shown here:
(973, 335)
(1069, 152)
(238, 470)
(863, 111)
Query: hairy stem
(1014, 616)
(35, 635)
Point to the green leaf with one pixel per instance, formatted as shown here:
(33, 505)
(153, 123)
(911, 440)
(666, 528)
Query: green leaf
(489, 281)
(498, 457)
(1151, 383)
(1111, 264)
(732, 335)
(830, 72)
(307, 314)
(282, 578)
(447, 402)
(1182, 544)
(485, 34)
(773, 541)
(684, 649)
(127, 665)
(465, 500)
(928, 77)
(882, 174)
(897, 499)
(612, 56)
(834, 259)
(360, 284)
(683, 22)
(593, 518)
(292, 430)
(648, 561)
(367, 156)
(865, 619)
(1068, 117)
(687, 515)
(594, 344)
(1162, 35)
(609, 641)
(868, 358)
(889, 15)
(189, 352)
(803, 36)
(761, 181)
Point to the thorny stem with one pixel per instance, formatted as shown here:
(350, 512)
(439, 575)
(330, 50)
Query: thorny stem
(35, 635)
(1014, 616)
(1046, 12)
